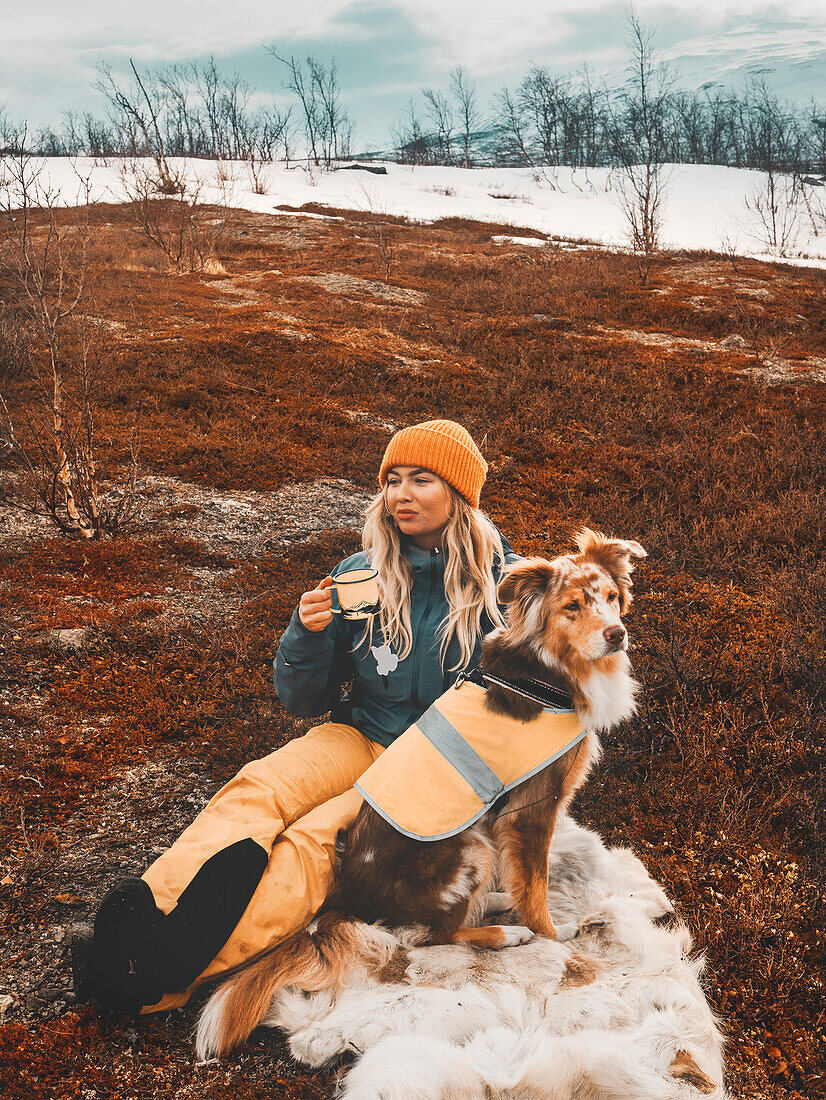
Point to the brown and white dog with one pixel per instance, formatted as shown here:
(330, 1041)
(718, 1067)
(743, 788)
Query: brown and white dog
(563, 627)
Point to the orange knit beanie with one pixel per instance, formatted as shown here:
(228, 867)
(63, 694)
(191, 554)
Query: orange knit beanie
(444, 447)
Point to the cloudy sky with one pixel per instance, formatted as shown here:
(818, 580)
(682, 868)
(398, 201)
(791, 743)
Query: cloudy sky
(388, 49)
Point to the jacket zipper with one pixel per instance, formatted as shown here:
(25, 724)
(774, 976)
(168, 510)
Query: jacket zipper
(414, 695)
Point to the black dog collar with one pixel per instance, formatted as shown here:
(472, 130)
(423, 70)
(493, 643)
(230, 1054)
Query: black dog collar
(536, 690)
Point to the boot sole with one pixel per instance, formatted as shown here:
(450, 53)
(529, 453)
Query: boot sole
(81, 953)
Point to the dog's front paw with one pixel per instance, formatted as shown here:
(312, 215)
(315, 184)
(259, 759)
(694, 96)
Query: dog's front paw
(516, 934)
(567, 931)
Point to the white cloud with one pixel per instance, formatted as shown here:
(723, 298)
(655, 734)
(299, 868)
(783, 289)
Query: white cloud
(750, 45)
(478, 29)
(50, 50)
(166, 27)
(492, 33)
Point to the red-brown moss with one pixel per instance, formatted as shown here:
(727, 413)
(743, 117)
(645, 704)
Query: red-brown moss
(715, 783)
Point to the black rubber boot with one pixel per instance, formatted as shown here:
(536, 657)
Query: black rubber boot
(136, 953)
(124, 962)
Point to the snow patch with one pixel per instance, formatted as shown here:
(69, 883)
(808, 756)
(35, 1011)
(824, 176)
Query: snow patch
(705, 205)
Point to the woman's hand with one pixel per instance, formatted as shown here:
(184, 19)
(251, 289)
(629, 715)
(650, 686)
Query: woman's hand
(315, 607)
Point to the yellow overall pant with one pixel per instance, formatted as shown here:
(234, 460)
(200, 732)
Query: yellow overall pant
(292, 803)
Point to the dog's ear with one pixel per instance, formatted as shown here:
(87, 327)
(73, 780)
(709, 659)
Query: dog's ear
(526, 581)
(615, 556)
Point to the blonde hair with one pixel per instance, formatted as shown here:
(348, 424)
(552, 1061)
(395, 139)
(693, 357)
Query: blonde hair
(471, 545)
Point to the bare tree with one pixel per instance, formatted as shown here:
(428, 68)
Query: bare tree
(261, 136)
(464, 95)
(164, 200)
(138, 113)
(552, 120)
(277, 133)
(337, 128)
(409, 139)
(302, 86)
(513, 126)
(592, 128)
(11, 133)
(541, 97)
(640, 125)
(440, 114)
(184, 119)
(817, 137)
(48, 263)
(778, 202)
(328, 128)
(93, 136)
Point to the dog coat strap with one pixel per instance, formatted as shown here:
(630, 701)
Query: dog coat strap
(464, 758)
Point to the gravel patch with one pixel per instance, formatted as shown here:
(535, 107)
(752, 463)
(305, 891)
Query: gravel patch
(239, 523)
(351, 284)
(116, 833)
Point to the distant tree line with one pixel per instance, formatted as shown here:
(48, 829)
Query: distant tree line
(192, 110)
(548, 119)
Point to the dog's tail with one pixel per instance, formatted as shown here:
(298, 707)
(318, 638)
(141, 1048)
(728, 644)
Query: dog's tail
(309, 960)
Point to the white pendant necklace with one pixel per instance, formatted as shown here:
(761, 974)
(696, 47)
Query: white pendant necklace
(386, 659)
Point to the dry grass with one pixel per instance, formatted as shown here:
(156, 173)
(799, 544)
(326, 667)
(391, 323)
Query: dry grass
(717, 783)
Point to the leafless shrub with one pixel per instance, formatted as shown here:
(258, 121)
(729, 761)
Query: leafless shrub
(778, 206)
(29, 862)
(380, 228)
(641, 189)
(813, 195)
(59, 473)
(186, 230)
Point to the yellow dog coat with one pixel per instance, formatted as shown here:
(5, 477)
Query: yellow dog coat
(448, 769)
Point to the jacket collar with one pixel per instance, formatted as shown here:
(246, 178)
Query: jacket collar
(419, 558)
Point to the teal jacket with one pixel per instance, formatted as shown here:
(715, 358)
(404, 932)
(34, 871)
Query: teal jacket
(311, 667)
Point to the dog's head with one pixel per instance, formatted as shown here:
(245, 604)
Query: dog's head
(569, 610)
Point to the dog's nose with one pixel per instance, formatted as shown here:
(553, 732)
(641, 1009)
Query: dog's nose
(614, 635)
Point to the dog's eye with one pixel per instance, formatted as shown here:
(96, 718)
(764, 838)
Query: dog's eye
(611, 597)
(571, 606)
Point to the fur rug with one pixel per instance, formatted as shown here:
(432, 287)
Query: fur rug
(614, 1013)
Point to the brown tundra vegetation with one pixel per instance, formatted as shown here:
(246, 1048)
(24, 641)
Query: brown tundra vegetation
(264, 391)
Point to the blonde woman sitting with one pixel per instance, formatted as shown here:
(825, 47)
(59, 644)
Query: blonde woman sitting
(257, 864)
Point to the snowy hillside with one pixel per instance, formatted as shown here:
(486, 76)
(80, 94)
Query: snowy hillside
(706, 207)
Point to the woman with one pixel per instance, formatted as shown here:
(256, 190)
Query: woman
(257, 863)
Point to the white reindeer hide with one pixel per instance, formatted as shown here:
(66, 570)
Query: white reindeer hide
(467, 1024)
